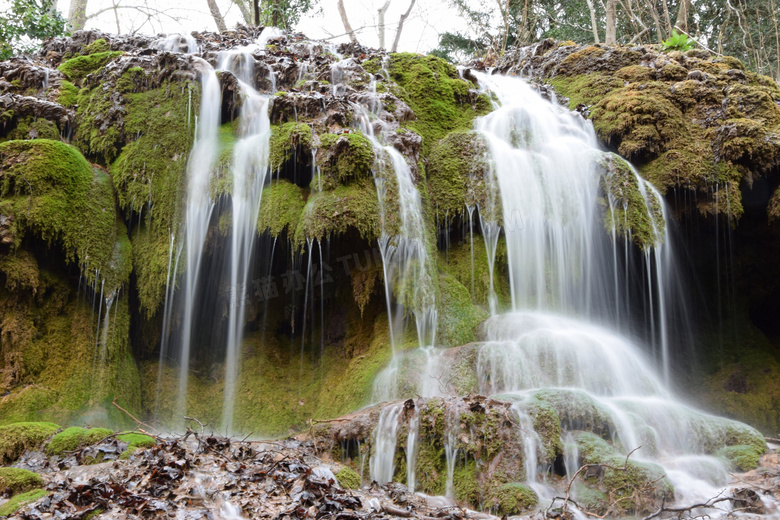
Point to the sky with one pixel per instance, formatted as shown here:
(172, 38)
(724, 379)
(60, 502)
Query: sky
(421, 31)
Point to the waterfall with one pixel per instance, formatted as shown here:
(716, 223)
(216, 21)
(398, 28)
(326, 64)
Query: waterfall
(199, 207)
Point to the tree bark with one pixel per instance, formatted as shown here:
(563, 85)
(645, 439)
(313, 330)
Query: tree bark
(610, 38)
(667, 18)
(214, 8)
(256, 7)
(380, 26)
(246, 13)
(401, 26)
(682, 15)
(345, 21)
(593, 24)
(77, 16)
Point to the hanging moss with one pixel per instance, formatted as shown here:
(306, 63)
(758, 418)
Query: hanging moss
(336, 212)
(77, 68)
(56, 195)
(284, 139)
(343, 158)
(456, 173)
(33, 128)
(281, 208)
(149, 174)
(459, 318)
(628, 212)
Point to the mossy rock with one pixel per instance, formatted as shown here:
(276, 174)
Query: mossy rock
(343, 158)
(456, 169)
(335, 212)
(286, 138)
(441, 100)
(741, 457)
(59, 197)
(459, 318)
(17, 480)
(74, 438)
(512, 499)
(578, 411)
(68, 94)
(75, 69)
(348, 479)
(18, 501)
(281, 208)
(33, 128)
(135, 441)
(17, 438)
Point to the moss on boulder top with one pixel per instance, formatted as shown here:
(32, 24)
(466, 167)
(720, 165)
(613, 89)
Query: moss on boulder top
(686, 119)
(17, 480)
(16, 438)
(76, 437)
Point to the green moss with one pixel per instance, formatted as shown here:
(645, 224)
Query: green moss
(348, 479)
(441, 100)
(456, 169)
(99, 45)
(578, 411)
(344, 157)
(465, 483)
(18, 501)
(629, 212)
(77, 68)
(149, 174)
(33, 128)
(742, 458)
(588, 89)
(16, 480)
(135, 441)
(547, 425)
(335, 212)
(281, 208)
(593, 449)
(637, 489)
(68, 95)
(286, 138)
(74, 438)
(57, 196)
(512, 499)
(458, 316)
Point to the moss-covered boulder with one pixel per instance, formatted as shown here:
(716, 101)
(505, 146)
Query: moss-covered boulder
(20, 500)
(16, 438)
(135, 441)
(512, 499)
(74, 438)
(17, 480)
(347, 478)
(741, 457)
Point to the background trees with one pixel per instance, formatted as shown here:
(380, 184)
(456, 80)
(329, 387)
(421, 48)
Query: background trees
(747, 29)
(25, 22)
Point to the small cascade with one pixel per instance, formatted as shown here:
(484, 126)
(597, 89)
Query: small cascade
(412, 447)
(250, 169)
(183, 43)
(451, 452)
(199, 207)
(382, 463)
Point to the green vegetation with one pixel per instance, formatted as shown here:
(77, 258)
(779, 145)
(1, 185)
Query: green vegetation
(281, 208)
(348, 479)
(24, 23)
(742, 458)
(287, 137)
(77, 68)
(17, 480)
(18, 501)
(343, 158)
(678, 42)
(32, 128)
(458, 316)
(512, 499)
(442, 102)
(74, 438)
(135, 441)
(68, 95)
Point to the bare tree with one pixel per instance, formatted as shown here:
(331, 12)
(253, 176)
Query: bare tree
(610, 37)
(593, 24)
(400, 26)
(682, 15)
(345, 21)
(380, 26)
(214, 8)
(77, 16)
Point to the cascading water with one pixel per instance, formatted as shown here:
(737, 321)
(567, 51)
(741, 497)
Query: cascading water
(198, 211)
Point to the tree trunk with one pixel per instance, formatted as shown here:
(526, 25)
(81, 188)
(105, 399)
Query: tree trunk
(667, 18)
(256, 7)
(246, 13)
(77, 16)
(345, 21)
(682, 15)
(380, 26)
(656, 20)
(593, 24)
(401, 26)
(610, 38)
(214, 8)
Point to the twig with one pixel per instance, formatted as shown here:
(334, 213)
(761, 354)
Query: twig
(709, 504)
(197, 421)
(139, 423)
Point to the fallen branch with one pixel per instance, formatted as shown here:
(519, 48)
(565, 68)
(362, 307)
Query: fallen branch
(709, 504)
(197, 421)
(138, 422)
